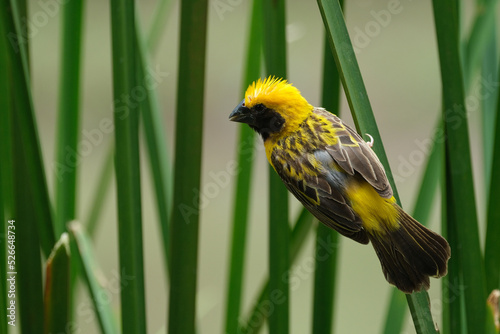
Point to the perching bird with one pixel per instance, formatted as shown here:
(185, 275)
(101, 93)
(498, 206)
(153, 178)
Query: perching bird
(336, 175)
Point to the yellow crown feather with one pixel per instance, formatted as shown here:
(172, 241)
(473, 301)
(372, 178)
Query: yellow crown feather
(274, 92)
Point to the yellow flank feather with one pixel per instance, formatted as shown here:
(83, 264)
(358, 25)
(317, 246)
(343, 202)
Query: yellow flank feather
(378, 214)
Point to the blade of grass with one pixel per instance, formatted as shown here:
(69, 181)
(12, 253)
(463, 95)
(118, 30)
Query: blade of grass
(86, 259)
(161, 13)
(6, 187)
(156, 144)
(68, 119)
(480, 36)
(357, 97)
(275, 60)
(245, 153)
(460, 199)
(57, 288)
(127, 166)
(103, 183)
(26, 124)
(68, 123)
(25, 149)
(454, 320)
(254, 322)
(326, 266)
(187, 168)
(3, 263)
(492, 246)
(27, 272)
(5, 126)
(3, 254)
(488, 104)
(100, 193)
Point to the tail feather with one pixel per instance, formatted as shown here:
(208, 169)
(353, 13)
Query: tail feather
(410, 254)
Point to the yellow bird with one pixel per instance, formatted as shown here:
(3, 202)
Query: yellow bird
(336, 175)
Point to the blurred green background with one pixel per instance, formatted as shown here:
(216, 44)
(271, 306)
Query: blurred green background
(399, 61)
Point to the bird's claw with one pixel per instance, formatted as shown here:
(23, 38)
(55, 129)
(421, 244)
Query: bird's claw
(370, 143)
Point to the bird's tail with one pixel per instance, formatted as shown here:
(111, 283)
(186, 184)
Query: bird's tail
(410, 254)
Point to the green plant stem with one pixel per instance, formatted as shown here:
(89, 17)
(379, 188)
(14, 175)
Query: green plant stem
(6, 187)
(479, 39)
(57, 288)
(492, 245)
(86, 259)
(187, 169)
(127, 167)
(28, 267)
(489, 105)
(102, 187)
(460, 200)
(326, 263)
(245, 153)
(161, 12)
(26, 125)
(258, 315)
(156, 144)
(68, 120)
(275, 60)
(29, 184)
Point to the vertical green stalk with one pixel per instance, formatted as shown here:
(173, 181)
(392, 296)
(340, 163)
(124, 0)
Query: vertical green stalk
(326, 263)
(57, 288)
(163, 8)
(156, 142)
(99, 194)
(245, 164)
(126, 116)
(460, 199)
(31, 203)
(26, 124)
(28, 266)
(84, 256)
(187, 168)
(483, 29)
(69, 106)
(488, 104)
(452, 296)
(255, 320)
(5, 168)
(492, 247)
(279, 259)
(3, 250)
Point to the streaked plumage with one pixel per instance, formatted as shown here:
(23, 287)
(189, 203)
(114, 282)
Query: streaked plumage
(336, 175)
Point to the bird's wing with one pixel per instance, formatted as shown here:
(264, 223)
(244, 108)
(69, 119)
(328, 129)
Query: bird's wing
(319, 189)
(353, 155)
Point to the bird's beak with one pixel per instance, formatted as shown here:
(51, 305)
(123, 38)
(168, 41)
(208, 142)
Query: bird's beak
(242, 114)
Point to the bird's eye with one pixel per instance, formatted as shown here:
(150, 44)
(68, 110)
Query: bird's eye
(259, 107)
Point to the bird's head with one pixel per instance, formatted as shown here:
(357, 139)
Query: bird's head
(272, 107)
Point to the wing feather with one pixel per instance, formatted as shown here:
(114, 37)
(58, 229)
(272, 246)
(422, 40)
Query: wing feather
(321, 194)
(353, 155)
